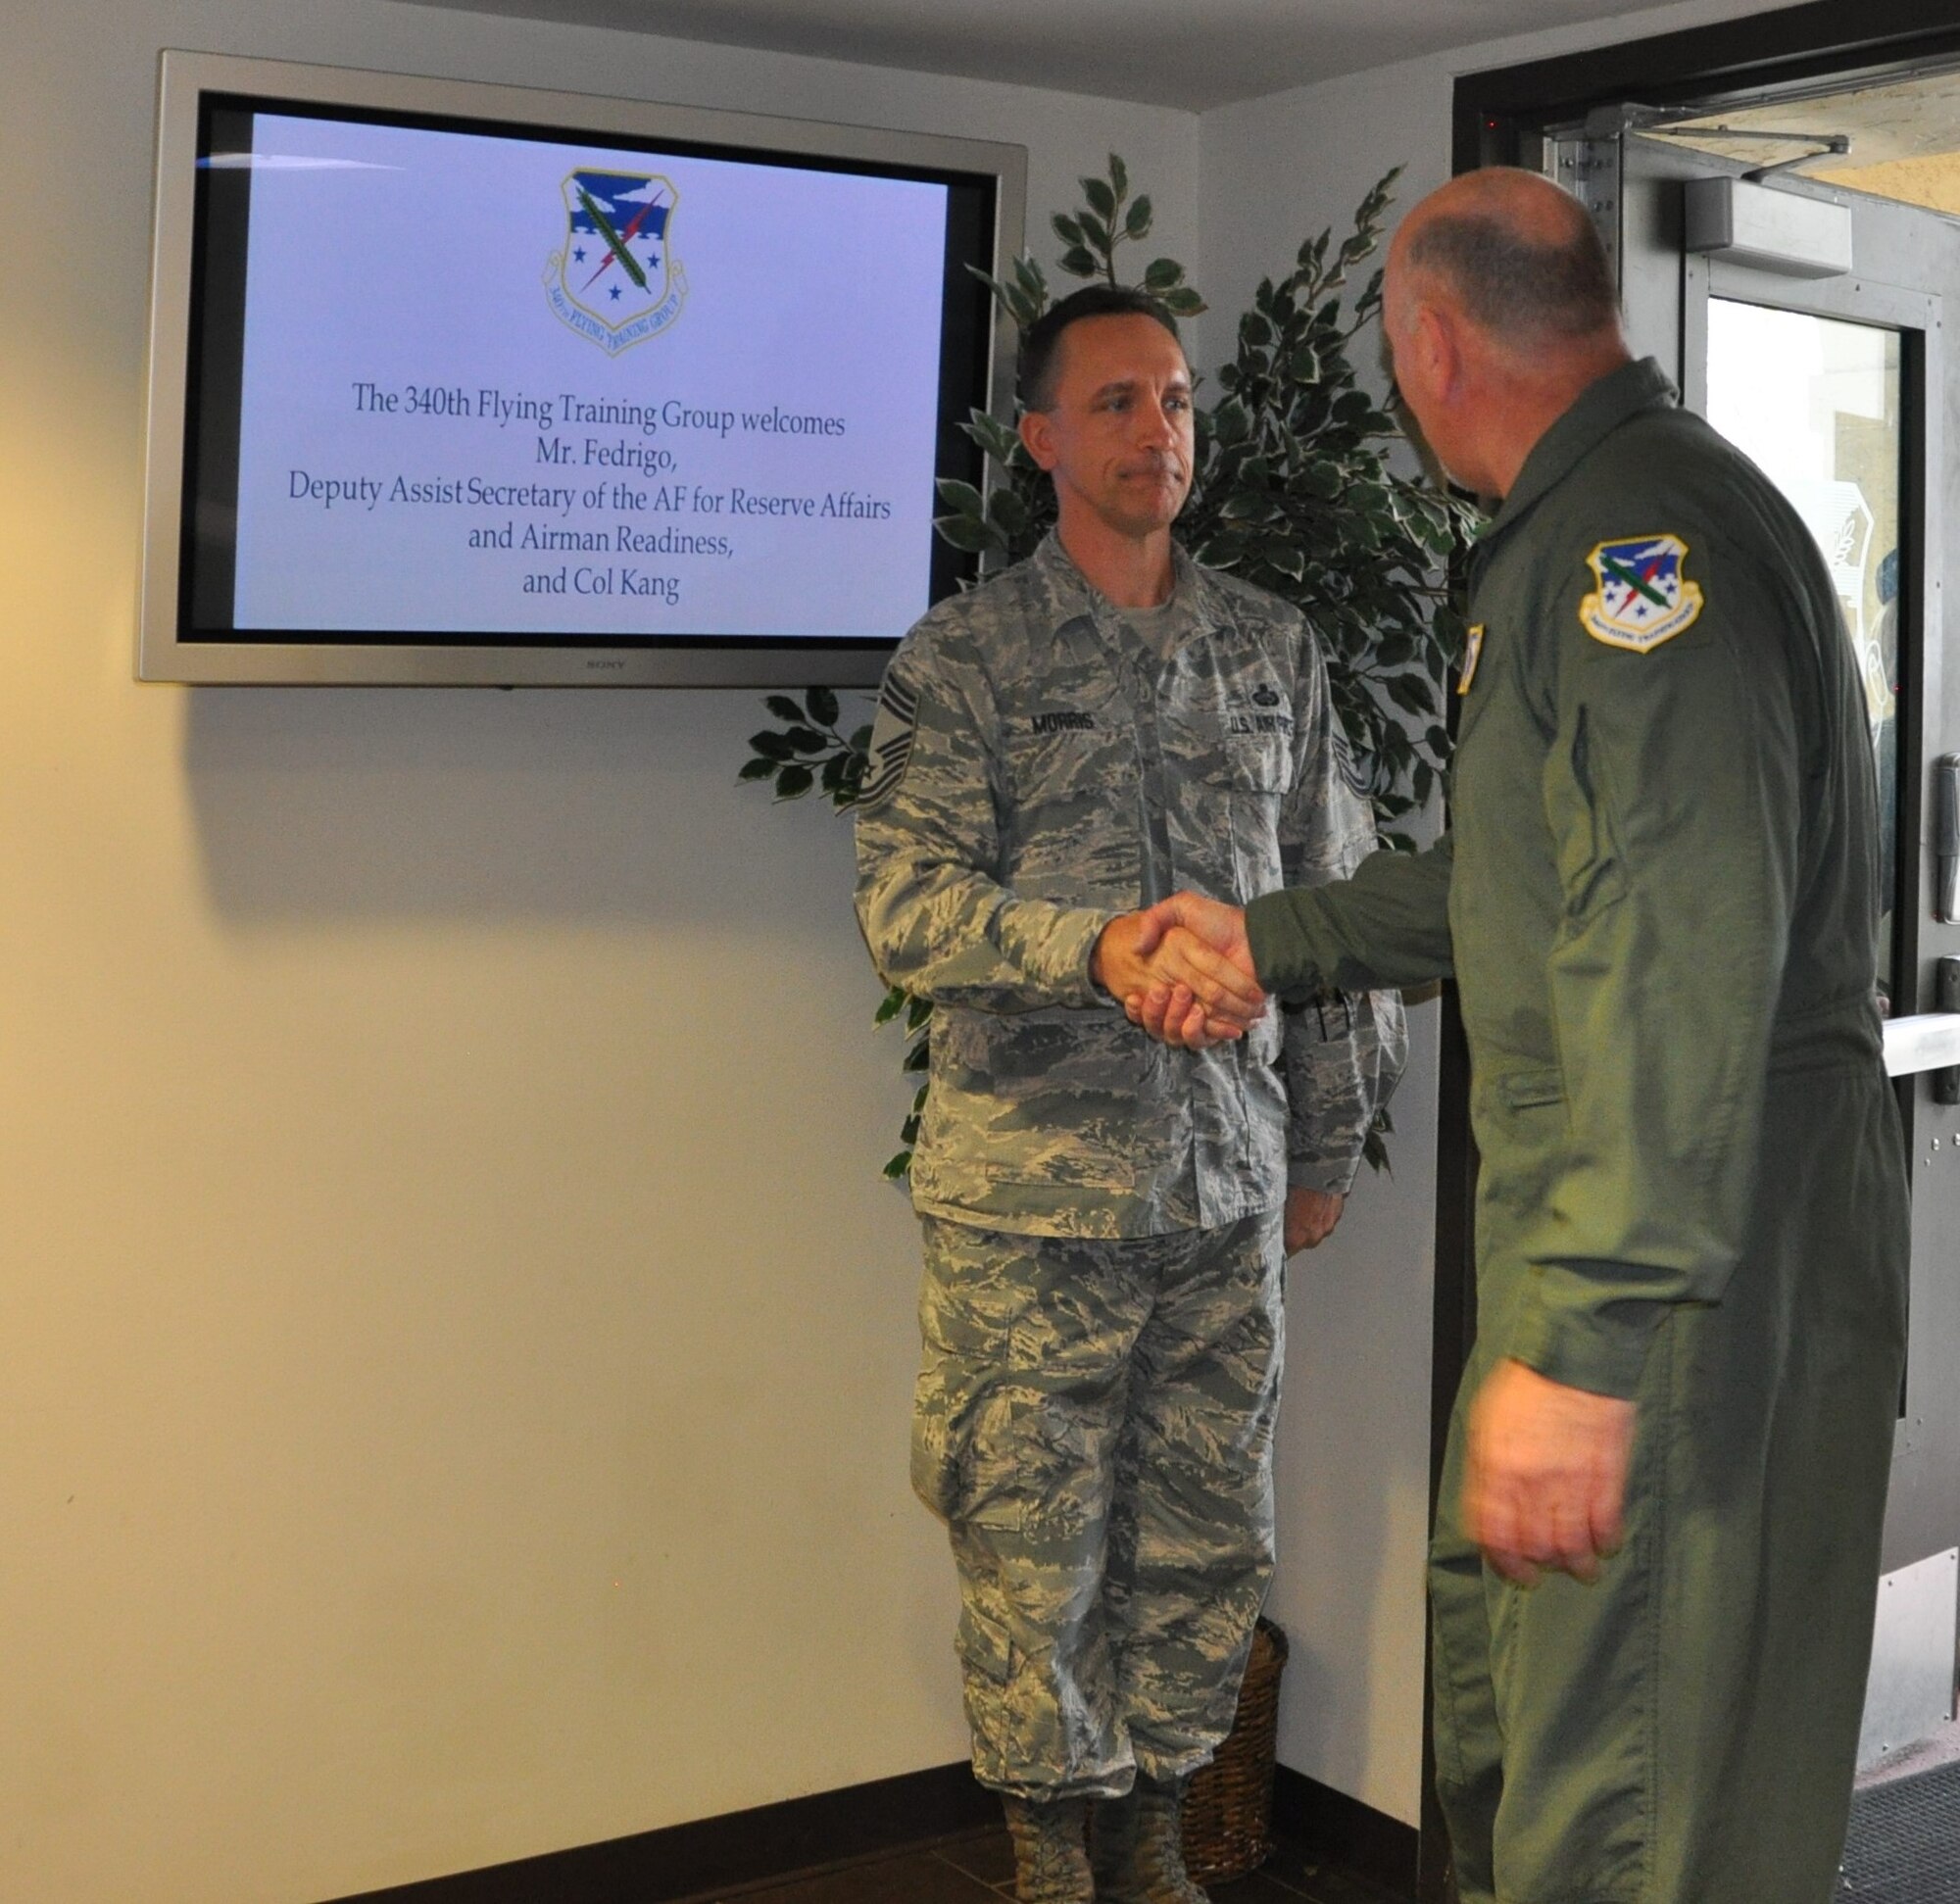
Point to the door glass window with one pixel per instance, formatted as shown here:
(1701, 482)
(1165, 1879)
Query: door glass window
(1815, 403)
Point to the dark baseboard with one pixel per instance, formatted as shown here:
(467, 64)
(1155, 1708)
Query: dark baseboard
(1343, 1830)
(719, 1854)
(834, 1828)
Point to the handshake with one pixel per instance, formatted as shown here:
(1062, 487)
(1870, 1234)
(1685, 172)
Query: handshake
(1183, 969)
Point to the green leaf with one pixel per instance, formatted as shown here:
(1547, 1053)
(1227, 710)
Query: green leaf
(897, 1168)
(860, 739)
(783, 708)
(757, 769)
(960, 496)
(894, 1003)
(807, 740)
(1119, 176)
(1184, 302)
(823, 706)
(963, 533)
(1410, 693)
(1008, 513)
(1067, 230)
(1101, 199)
(918, 1011)
(1137, 220)
(793, 782)
(1160, 274)
(1079, 262)
(772, 745)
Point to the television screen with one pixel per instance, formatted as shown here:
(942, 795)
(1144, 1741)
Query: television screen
(483, 386)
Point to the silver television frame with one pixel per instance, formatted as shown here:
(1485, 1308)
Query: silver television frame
(186, 77)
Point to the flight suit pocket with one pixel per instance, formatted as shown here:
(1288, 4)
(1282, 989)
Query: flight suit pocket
(1530, 1090)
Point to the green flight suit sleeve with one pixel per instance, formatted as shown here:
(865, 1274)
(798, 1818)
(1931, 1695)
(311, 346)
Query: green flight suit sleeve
(935, 913)
(1345, 1056)
(1673, 791)
(1386, 925)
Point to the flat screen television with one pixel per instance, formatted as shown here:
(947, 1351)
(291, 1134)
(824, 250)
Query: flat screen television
(470, 384)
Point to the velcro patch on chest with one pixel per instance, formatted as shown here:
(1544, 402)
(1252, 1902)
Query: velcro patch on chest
(1641, 595)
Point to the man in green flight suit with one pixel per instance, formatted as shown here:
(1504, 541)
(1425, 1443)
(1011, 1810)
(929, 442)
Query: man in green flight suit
(1656, 1558)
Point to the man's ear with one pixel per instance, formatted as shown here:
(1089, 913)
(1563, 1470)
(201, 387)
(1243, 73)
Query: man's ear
(1434, 335)
(1037, 437)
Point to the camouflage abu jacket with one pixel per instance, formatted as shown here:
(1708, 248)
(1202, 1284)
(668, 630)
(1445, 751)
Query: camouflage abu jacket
(1034, 772)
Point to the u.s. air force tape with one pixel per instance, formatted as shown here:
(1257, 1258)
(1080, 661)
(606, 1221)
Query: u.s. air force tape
(891, 749)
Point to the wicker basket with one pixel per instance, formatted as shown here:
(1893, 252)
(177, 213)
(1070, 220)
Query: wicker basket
(1228, 1812)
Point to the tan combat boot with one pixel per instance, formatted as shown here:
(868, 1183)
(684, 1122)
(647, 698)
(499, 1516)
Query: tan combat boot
(1050, 1851)
(1138, 1846)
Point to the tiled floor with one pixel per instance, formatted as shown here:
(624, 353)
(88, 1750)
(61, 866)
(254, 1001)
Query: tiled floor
(979, 1870)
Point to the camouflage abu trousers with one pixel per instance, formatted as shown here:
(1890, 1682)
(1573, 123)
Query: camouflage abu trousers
(1094, 1422)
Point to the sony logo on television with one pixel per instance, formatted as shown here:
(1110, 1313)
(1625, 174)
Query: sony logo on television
(603, 661)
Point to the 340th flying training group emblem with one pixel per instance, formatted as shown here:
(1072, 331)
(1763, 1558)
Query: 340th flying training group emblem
(1640, 598)
(616, 281)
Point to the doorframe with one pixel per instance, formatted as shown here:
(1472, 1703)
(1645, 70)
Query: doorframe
(1498, 116)
(1494, 112)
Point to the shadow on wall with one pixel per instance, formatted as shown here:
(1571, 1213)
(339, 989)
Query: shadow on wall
(564, 804)
(1352, 1470)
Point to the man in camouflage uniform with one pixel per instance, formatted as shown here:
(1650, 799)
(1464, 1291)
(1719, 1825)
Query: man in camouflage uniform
(1104, 1237)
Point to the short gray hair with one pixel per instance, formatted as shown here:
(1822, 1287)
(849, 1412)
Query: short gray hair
(1517, 288)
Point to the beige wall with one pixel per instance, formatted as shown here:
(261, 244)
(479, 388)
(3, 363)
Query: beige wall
(454, 1345)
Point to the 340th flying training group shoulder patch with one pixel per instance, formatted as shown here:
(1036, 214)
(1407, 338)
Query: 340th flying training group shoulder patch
(1640, 598)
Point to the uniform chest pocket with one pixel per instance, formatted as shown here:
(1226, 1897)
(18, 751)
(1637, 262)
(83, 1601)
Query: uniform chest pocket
(1258, 764)
(1239, 751)
(1061, 753)
(1069, 819)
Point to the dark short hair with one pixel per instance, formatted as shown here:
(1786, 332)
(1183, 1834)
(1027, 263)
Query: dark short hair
(1514, 287)
(1040, 342)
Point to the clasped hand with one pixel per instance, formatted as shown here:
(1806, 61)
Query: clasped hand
(1183, 969)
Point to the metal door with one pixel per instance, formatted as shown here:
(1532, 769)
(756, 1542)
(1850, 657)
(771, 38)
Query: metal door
(1820, 348)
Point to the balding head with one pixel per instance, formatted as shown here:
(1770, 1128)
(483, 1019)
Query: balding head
(1499, 310)
(1515, 254)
